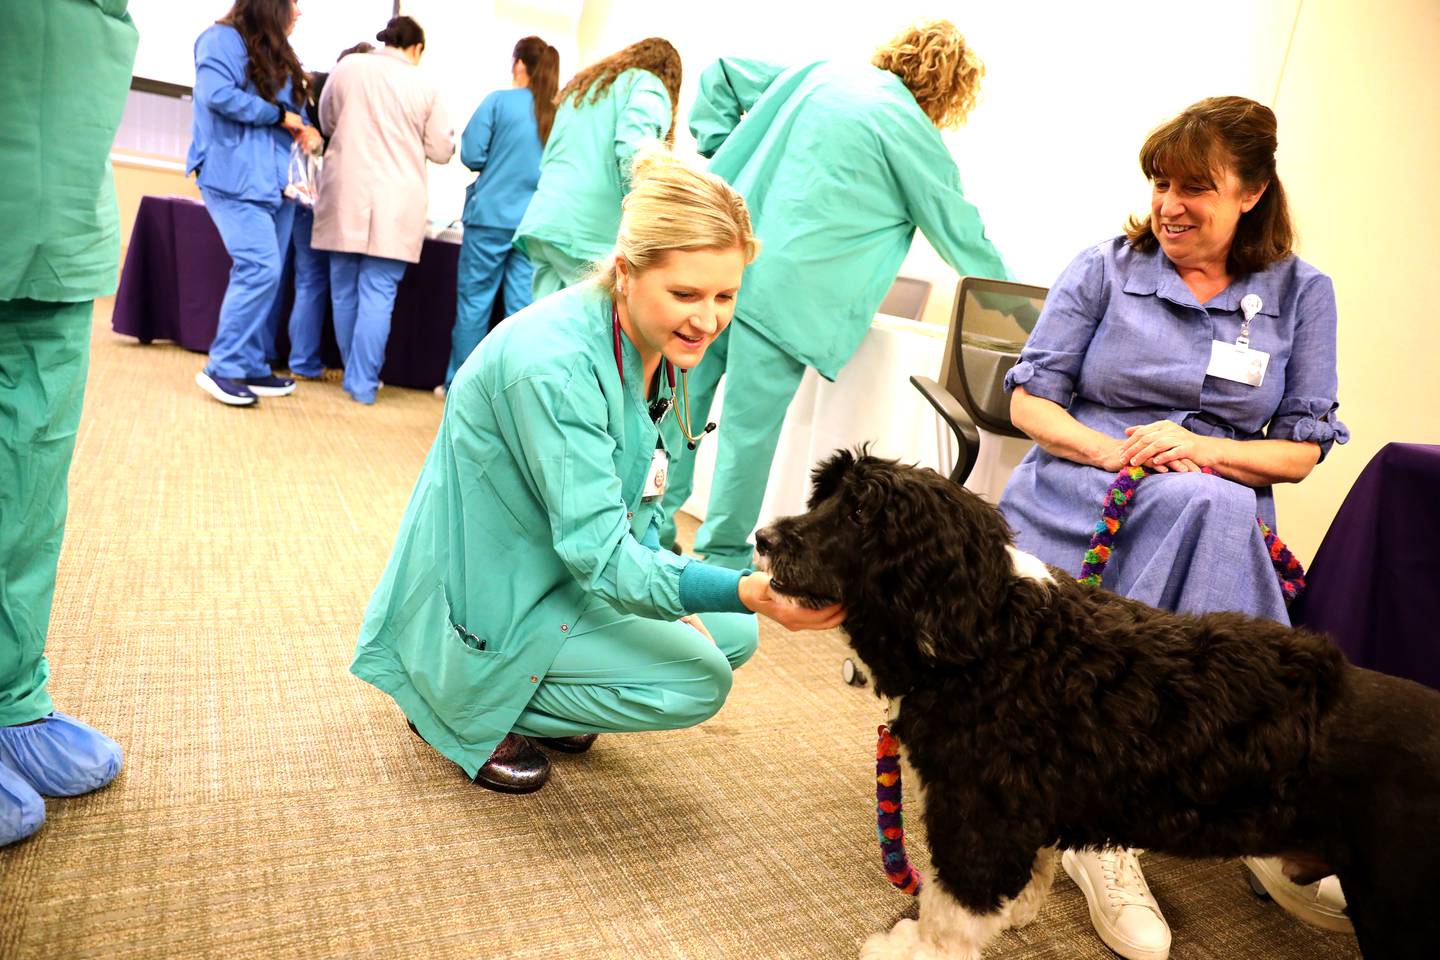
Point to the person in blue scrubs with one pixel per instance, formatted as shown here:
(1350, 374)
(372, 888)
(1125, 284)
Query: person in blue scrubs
(312, 267)
(1196, 340)
(527, 595)
(249, 88)
(502, 143)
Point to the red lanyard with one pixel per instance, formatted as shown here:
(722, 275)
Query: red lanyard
(619, 361)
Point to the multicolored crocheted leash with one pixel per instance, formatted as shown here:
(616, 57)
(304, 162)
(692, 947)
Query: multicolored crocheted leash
(1120, 497)
(889, 815)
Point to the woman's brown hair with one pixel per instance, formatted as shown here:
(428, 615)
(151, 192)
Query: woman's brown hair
(653, 54)
(264, 25)
(1204, 139)
(542, 63)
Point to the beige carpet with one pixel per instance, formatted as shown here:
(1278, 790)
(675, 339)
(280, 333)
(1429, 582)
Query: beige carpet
(216, 566)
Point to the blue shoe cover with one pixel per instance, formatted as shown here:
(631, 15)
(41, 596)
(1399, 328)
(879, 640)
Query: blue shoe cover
(21, 809)
(60, 756)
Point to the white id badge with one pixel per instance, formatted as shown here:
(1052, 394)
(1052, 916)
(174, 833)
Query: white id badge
(655, 479)
(1230, 361)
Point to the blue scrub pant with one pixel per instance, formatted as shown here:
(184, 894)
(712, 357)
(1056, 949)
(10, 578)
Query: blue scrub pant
(619, 673)
(312, 292)
(554, 268)
(488, 261)
(362, 294)
(256, 235)
(760, 381)
(44, 355)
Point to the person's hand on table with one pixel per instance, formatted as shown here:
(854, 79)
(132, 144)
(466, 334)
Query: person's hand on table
(756, 594)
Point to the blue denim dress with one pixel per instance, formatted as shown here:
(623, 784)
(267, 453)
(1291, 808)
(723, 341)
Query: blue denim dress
(1121, 342)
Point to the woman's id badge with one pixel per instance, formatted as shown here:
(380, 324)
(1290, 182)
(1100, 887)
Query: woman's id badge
(1237, 362)
(655, 479)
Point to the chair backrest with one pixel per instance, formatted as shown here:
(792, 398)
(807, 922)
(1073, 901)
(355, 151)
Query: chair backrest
(990, 322)
(906, 298)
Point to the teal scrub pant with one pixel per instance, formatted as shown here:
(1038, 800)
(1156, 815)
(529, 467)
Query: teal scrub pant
(554, 268)
(619, 673)
(760, 381)
(490, 265)
(44, 356)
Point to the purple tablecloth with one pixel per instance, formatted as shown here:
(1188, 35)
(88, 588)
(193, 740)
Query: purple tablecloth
(1375, 584)
(177, 268)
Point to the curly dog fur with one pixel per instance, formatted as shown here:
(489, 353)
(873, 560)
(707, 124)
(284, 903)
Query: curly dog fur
(1040, 713)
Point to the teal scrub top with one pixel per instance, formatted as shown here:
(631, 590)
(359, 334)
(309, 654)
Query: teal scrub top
(838, 165)
(62, 92)
(585, 169)
(529, 506)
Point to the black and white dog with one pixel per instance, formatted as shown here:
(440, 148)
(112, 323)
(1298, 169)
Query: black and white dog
(1040, 714)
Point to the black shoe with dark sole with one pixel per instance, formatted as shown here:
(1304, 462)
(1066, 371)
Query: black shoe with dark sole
(515, 766)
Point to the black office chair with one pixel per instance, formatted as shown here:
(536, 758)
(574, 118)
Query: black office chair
(989, 324)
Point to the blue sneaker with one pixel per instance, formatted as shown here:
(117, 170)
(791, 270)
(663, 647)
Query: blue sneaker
(270, 386)
(227, 391)
(22, 810)
(60, 756)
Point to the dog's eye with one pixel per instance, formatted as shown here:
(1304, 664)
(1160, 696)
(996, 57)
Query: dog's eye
(857, 515)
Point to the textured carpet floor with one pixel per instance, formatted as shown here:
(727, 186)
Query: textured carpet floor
(216, 565)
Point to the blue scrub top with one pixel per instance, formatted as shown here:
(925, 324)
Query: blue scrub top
(502, 144)
(236, 142)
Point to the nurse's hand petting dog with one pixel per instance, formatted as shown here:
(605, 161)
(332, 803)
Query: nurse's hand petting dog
(1165, 445)
(756, 594)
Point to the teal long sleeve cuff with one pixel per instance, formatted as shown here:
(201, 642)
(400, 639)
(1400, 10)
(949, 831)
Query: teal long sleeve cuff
(705, 588)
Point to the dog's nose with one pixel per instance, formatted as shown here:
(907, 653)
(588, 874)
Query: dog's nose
(764, 541)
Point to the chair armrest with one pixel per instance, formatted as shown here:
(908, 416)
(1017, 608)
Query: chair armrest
(967, 435)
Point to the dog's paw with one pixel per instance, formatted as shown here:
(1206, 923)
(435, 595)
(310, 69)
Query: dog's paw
(1024, 911)
(898, 943)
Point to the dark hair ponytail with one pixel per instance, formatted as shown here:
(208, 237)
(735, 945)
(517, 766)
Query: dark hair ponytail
(401, 32)
(542, 63)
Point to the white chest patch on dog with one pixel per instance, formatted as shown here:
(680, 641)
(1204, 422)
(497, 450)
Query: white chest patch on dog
(1029, 566)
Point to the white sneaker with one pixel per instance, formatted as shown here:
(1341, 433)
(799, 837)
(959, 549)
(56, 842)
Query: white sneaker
(1320, 904)
(1124, 913)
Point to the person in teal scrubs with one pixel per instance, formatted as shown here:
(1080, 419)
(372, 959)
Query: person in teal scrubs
(58, 123)
(502, 143)
(527, 595)
(606, 112)
(839, 164)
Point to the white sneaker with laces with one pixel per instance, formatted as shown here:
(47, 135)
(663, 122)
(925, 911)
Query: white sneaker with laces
(1122, 909)
(1320, 904)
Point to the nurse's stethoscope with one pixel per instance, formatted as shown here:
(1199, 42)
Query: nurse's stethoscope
(659, 405)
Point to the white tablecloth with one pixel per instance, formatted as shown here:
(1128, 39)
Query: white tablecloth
(871, 401)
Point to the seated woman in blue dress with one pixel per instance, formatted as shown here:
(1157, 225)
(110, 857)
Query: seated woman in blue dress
(1196, 340)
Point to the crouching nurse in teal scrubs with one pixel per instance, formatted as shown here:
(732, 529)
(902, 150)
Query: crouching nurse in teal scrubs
(527, 596)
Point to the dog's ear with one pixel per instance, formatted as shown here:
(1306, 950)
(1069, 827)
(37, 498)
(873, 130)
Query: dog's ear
(826, 478)
(936, 558)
